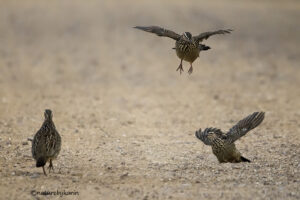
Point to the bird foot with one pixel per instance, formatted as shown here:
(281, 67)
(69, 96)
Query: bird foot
(44, 171)
(50, 167)
(180, 68)
(190, 70)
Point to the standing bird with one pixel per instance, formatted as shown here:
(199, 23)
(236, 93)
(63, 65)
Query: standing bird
(46, 143)
(187, 47)
(223, 143)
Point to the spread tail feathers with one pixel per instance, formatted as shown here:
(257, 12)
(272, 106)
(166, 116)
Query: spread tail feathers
(41, 162)
(244, 159)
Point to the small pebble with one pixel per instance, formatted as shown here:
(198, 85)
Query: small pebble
(124, 175)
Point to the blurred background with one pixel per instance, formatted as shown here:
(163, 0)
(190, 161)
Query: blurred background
(127, 118)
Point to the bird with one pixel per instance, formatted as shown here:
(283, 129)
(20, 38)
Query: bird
(187, 47)
(46, 143)
(222, 144)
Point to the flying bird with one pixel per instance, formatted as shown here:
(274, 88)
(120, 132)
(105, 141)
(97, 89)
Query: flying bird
(46, 143)
(187, 47)
(223, 143)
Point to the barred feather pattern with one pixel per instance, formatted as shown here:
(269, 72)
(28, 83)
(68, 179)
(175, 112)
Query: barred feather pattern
(187, 47)
(46, 142)
(223, 145)
(186, 50)
(206, 35)
(209, 135)
(244, 126)
(224, 151)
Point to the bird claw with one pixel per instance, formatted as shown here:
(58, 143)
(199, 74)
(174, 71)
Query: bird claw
(180, 69)
(50, 167)
(190, 70)
(44, 171)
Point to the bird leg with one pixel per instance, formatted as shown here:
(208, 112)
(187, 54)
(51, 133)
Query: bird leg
(44, 171)
(180, 67)
(191, 69)
(50, 166)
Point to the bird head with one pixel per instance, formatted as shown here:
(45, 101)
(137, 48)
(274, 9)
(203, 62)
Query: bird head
(208, 131)
(48, 114)
(187, 36)
(205, 136)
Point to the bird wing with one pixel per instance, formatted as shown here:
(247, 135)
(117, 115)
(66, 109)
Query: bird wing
(159, 31)
(203, 135)
(206, 35)
(245, 125)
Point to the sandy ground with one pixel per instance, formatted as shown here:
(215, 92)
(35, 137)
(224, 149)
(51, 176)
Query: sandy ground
(127, 118)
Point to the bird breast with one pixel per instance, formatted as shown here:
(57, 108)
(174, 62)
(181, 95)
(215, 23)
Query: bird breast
(187, 51)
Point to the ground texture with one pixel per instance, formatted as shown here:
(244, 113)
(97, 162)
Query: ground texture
(127, 118)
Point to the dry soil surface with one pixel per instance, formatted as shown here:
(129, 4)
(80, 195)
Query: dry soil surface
(127, 118)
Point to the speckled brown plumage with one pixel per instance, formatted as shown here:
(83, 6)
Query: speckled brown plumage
(223, 143)
(46, 143)
(187, 47)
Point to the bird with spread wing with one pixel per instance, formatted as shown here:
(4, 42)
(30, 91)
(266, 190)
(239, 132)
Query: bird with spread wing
(187, 47)
(223, 143)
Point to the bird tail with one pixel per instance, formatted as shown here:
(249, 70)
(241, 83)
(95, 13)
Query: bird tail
(203, 47)
(41, 162)
(244, 159)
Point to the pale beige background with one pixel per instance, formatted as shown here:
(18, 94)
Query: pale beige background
(127, 118)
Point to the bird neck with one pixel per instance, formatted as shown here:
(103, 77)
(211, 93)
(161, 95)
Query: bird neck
(49, 123)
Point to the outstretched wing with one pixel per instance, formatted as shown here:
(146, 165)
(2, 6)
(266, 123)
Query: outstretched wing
(206, 35)
(245, 125)
(159, 31)
(209, 134)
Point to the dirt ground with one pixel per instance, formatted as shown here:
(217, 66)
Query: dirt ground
(127, 119)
